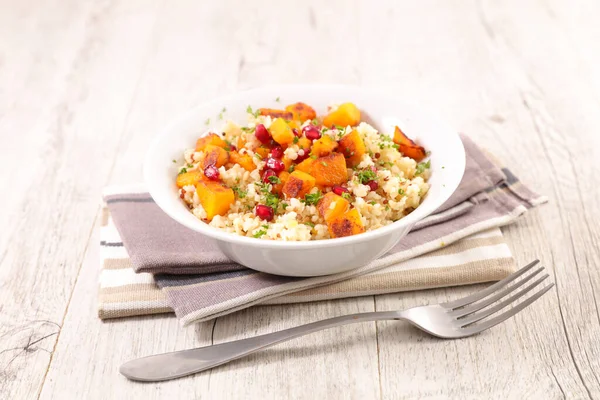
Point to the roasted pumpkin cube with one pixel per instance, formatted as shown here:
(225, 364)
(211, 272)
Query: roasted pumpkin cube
(281, 132)
(274, 113)
(304, 143)
(347, 224)
(214, 155)
(241, 143)
(353, 148)
(189, 178)
(283, 178)
(244, 160)
(287, 162)
(301, 112)
(331, 206)
(324, 146)
(407, 147)
(214, 197)
(346, 114)
(305, 166)
(262, 151)
(298, 185)
(330, 170)
(210, 139)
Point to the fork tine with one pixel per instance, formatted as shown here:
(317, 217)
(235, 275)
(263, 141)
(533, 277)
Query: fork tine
(483, 293)
(470, 309)
(486, 313)
(473, 329)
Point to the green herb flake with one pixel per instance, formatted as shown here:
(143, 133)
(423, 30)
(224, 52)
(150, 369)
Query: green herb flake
(443, 167)
(182, 171)
(220, 116)
(277, 99)
(422, 166)
(274, 180)
(346, 196)
(272, 200)
(175, 162)
(312, 225)
(400, 192)
(190, 165)
(315, 122)
(257, 156)
(324, 163)
(366, 175)
(239, 192)
(292, 168)
(260, 233)
(284, 205)
(224, 109)
(372, 202)
(207, 122)
(340, 128)
(296, 139)
(387, 208)
(312, 199)
(313, 157)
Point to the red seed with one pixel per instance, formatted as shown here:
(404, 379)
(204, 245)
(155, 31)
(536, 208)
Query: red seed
(264, 212)
(373, 185)
(377, 155)
(275, 164)
(212, 173)
(182, 195)
(262, 134)
(303, 156)
(232, 148)
(277, 152)
(311, 132)
(339, 190)
(268, 173)
(296, 133)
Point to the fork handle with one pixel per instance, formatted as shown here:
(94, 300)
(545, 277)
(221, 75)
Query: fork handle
(176, 364)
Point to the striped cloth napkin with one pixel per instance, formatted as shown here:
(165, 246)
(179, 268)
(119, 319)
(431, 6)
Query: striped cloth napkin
(151, 264)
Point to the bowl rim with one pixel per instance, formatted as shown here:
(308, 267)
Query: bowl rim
(419, 213)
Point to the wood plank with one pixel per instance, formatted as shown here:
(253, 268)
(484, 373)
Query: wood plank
(64, 120)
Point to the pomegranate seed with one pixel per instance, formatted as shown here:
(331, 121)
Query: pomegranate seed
(275, 164)
(277, 152)
(311, 132)
(373, 185)
(232, 148)
(296, 133)
(268, 173)
(212, 173)
(339, 190)
(264, 212)
(303, 156)
(182, 195)
(262, 134)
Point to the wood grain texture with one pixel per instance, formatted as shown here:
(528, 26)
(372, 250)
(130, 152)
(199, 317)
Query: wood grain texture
(84, 86)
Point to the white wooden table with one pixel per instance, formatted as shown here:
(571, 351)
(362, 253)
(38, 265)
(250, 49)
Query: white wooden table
(85, 85)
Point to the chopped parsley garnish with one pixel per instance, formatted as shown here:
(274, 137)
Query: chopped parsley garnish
(292, 168)
(324, 163)
(296, 138)
(400, 191)
(239, 192)
(224, 109)
(310, 224)
(313, 157)
(284, 205)
(312, 199)
(260, 233)
(274, 180)
(220, 116)
(366, 175)
(443, 167)
(272, 200)
(372, 202)
(277, 99)
(258, 156)
(207, 122)
(175, 161)
(315, 122)
(190, 165)
(340, 128)
(387, 208)
(422, 166)
(182, 171)
(250, 111)
(346, 196)
(246, 129)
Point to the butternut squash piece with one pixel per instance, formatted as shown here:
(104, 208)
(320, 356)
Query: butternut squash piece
(283, 177)
(407, 147)
(210, 139)
(214, 197)
(330, 170)
(305, 166)
(301, 112)
(189, 178)
(281, 132)
(298, 185)
(214, 155)
(241, 143)
(353, 148)
(274, 113)
(262, 151)
(287, 162)
(346, 114)
(327, 211)
(245, 160)
(347, 224)
(324, 146)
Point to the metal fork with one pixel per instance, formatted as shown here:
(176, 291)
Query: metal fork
(451, 320)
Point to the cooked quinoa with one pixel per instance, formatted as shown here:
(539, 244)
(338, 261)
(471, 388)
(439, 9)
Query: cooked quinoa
(234, 191)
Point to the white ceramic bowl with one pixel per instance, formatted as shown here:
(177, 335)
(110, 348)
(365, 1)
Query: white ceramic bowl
(320, 257)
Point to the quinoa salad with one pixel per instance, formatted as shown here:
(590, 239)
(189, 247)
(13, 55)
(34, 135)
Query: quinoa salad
(288, 174)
